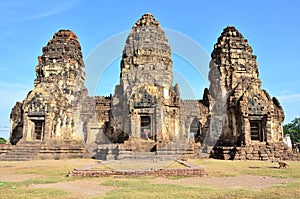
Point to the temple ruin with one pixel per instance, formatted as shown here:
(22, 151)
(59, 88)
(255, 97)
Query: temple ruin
(145, 117)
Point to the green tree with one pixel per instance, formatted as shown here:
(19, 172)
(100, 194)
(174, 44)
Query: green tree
(2, 140)
(293, 128)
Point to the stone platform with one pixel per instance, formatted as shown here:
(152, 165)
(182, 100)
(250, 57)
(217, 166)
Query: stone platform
(146, 150)
(194, 172)
(189, 171)
(31, 150)
(256, 151)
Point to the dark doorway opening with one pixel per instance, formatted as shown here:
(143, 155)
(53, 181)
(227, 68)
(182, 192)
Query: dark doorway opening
(39, 130)
(195, 130)
(146, 127)
(256, 130)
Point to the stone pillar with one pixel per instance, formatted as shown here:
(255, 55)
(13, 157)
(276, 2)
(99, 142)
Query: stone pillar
(268, 129)
(47, 127)
(246, 131)
(25, 127)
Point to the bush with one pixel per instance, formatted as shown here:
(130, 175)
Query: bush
(293, 128)
(2, 140)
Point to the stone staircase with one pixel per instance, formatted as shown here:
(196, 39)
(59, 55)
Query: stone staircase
(139, 155)
(22, 152)
(145, 150)
(175, 150)
(5, 148)
(139, 145)
(30, 150)
(119, 152)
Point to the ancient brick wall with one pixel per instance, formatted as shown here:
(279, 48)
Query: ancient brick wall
(190, 172)
(16, 123)
(256, 151)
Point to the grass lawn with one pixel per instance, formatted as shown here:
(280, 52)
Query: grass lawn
(46, 179)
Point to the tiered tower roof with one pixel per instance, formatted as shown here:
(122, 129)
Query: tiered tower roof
(62, 62)
(147, 54)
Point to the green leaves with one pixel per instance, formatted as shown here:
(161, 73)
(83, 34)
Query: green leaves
(2, 140)
(293, 128)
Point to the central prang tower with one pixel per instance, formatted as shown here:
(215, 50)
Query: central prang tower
(146, 56)
(145, 104)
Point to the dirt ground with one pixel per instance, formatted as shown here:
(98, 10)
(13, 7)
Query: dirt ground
(89, 188)
(8, 177)
(78, 188)
(83, 188)
(248, 181)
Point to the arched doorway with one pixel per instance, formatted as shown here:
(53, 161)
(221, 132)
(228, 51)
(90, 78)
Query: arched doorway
(195, 130)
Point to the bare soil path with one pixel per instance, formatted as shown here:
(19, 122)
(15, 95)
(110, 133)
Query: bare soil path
(249, 181)
(88, 188)
(78, 188)
(5, 177)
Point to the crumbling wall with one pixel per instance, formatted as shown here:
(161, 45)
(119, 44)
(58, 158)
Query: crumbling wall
(256, 151)
(16, 123)
(193, 111)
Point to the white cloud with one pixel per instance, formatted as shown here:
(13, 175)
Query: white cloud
(289, 98)
(60, 6)
(23, 10)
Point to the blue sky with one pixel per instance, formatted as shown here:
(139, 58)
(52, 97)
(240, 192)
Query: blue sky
(271, 27)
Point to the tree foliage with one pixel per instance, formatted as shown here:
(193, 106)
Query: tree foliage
(2, 140)
(293, 128)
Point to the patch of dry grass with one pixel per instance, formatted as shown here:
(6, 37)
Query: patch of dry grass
(53, 171)
(225, 168)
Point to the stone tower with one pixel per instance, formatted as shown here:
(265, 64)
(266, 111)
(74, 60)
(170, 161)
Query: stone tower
(51, 111)
(146, 56)
(249, 114)
(61, 62)
(145, 104)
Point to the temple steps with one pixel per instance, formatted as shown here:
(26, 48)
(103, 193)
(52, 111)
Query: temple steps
(22, 151)
(31, 150)
(157, 151)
